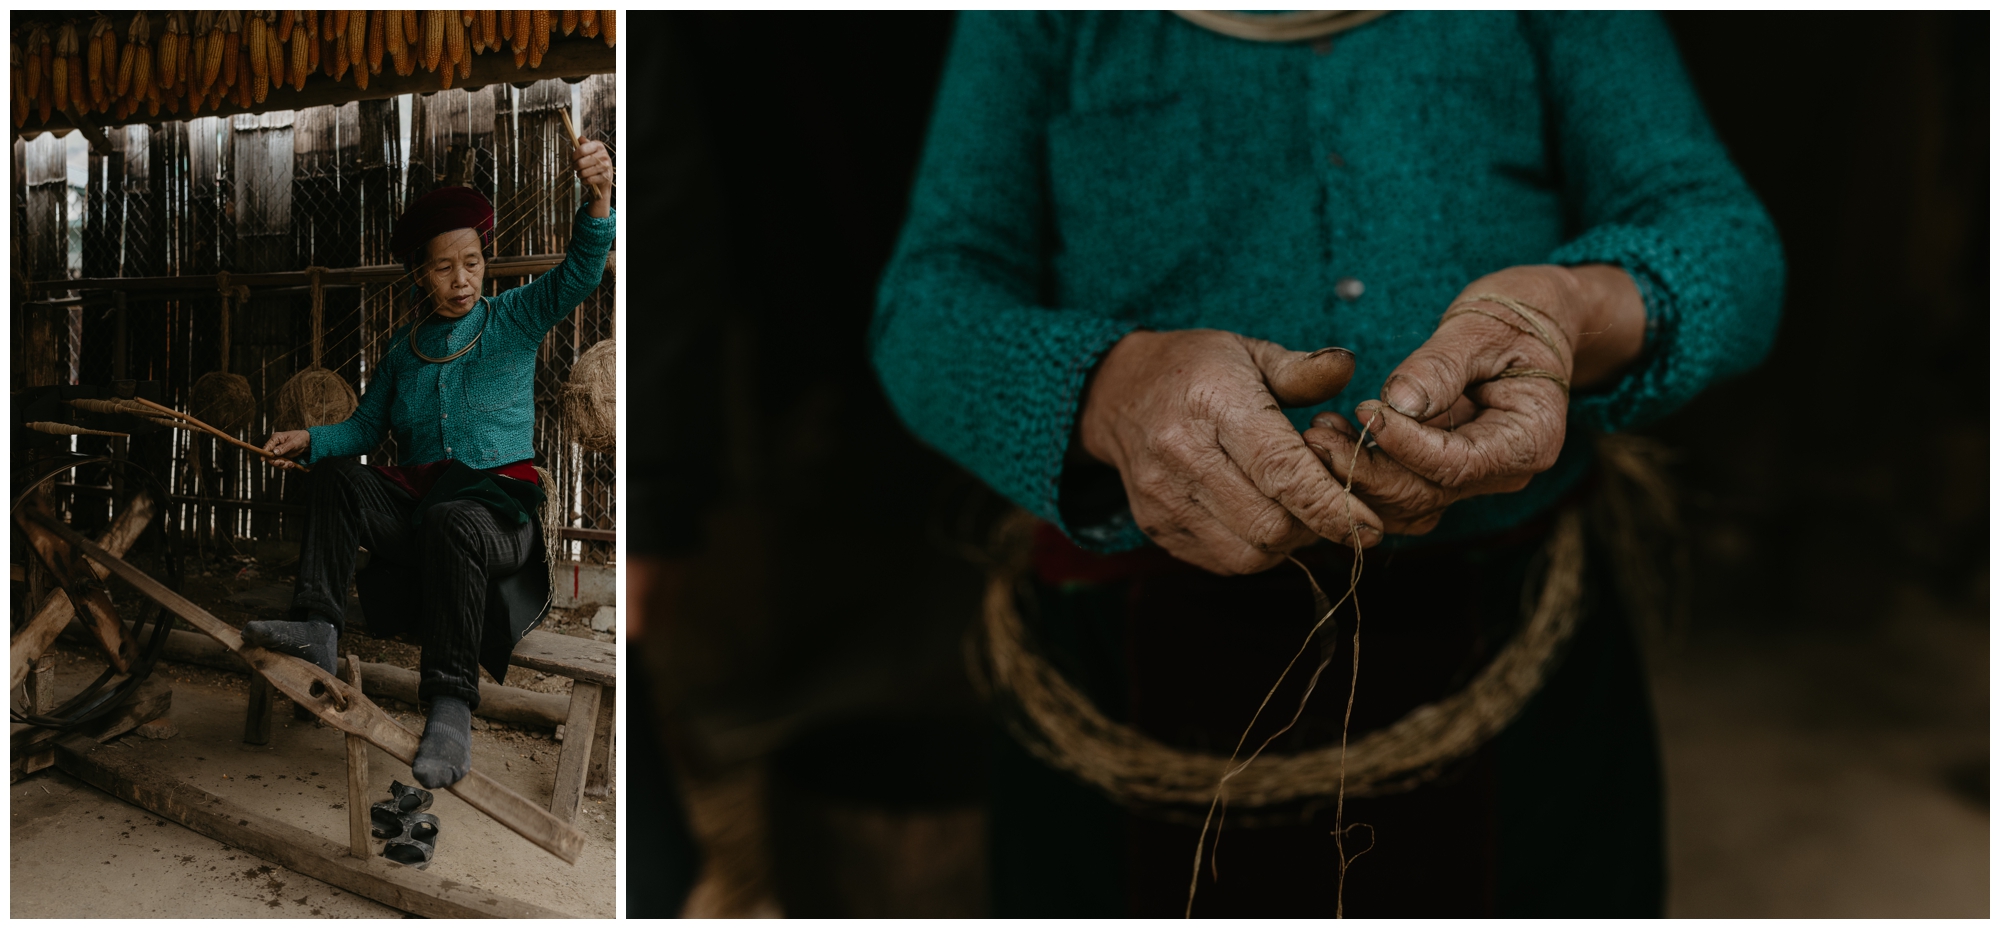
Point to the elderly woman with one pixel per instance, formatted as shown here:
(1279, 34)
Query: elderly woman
(459, 513)
(1520, 227)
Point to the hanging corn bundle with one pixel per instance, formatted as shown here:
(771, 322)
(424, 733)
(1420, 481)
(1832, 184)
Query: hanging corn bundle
(201, 61)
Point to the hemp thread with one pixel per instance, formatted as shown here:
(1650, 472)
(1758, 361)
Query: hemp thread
(1217, 805)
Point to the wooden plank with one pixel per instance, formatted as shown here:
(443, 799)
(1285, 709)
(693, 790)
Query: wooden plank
(345, 708)
(357, 776)
(406, 889)
(573, 765)
(570, 656)
(598, 784)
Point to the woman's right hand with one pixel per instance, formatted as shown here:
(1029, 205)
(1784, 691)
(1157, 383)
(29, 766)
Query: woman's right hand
(288, 445)
(1213, 471)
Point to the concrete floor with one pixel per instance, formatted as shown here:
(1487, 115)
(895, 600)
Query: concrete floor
(78, 852)
(1821, 774)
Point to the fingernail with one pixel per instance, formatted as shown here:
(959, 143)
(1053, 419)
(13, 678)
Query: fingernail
(1327, 350)
(1403, 395)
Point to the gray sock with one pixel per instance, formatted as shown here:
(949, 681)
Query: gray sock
(445, 755)
(313, 640)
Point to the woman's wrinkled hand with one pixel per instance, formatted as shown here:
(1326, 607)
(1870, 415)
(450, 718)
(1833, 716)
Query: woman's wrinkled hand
(1482, 406)
(592, 162)
(1213, 470)
(288, 445)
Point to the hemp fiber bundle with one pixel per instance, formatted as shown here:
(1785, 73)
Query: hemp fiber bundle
(312, 397)
(590, 399)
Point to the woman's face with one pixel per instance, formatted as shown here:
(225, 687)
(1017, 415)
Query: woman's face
(454, 273)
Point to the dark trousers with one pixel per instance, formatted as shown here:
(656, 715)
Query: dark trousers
(457, 549)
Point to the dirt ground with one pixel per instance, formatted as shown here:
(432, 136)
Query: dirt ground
(78, 852)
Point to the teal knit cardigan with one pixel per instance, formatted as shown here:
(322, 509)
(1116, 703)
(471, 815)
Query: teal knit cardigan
(480, 407)
(1088, 174)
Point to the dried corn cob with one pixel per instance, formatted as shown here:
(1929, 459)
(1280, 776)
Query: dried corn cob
(398, 47)
(376, 41)
(454, 39)
(523, 22)
(568, 22)
(274, 56)
(540, 45)
(357, 38)
(465, 64)
(111, 59)
(410, 25)
(65, 42)
(211, 54)
(302, 46)
(79, 89)
(506, 18)
(18, 83)
(433, 39)
(34, 64)
(607, 20)
(587, 23)
(232, 54)
(246, 79)
(93, 68)
(166, 58)
(285, 22)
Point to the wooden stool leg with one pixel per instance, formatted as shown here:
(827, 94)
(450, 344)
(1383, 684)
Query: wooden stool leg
(598, 784)
(357, 775)
(257, 719)
(572, 766)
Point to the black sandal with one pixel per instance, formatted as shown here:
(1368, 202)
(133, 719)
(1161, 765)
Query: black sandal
(389, 815)
(415, 848)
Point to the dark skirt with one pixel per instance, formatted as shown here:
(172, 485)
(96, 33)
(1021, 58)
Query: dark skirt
(1560, 815)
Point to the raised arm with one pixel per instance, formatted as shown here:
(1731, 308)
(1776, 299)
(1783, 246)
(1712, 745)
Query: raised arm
(535, 308)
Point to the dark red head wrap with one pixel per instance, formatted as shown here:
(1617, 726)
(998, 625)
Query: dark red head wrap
(436, 213)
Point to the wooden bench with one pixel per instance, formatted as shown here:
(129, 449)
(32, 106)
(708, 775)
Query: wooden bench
(584, 765)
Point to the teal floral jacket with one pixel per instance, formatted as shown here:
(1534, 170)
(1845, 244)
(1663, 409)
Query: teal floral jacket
(480, 407)
(1091, 173)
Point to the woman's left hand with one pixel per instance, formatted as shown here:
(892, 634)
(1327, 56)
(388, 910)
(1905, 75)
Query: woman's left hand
(1479, 409)
(593, 166)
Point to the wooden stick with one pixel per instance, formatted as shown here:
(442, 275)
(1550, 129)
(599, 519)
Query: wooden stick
(67, 429)
(569, 125)
(341, 705)
(226, 437)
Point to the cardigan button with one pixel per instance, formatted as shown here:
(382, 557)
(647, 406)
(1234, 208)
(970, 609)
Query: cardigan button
(1348, 289)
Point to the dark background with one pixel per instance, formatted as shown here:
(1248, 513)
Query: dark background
(798, 555)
